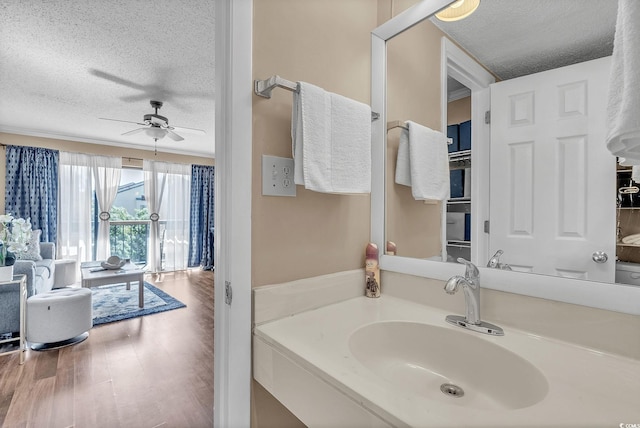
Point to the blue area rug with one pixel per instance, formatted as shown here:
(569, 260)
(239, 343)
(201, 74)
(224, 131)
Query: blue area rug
(115, 303)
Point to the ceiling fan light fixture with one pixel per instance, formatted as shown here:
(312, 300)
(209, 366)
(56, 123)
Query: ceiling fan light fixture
(458, 10)
(156, 132)
(156, 126)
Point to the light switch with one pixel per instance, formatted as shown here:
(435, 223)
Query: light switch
(277, 176)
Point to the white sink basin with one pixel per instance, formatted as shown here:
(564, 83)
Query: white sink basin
(422, 357)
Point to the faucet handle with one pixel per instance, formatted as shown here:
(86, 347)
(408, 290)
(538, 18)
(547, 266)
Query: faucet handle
(471, 271)
(494, 262)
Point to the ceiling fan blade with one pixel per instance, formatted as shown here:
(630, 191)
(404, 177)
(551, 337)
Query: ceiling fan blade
(118, 120)
(135, 131)
(189, 130)
(115, 79)
(139, 97)
(174, 136)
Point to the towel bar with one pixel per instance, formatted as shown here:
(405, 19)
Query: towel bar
(263, 88)
(396, 124)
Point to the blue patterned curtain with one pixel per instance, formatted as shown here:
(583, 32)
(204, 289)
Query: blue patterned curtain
(32, 188)
(201, 249)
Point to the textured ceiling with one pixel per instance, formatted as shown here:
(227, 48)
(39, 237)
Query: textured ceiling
(66, 63)
(513, 38)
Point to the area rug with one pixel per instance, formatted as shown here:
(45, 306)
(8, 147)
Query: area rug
(115, 303)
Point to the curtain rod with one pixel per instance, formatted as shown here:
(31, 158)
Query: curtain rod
(123, 157)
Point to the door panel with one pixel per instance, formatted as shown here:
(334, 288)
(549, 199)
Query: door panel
(552, 177)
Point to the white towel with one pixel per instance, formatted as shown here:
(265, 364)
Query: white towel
(331, 137)
(623, 109)
(428, 163)
(403, 164)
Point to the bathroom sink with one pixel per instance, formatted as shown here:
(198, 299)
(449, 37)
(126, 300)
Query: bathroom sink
(450, 366)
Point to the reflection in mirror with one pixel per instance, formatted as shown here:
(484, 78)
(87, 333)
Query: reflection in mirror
(414, 226)
(458, 214)
(552, 177)
(445, 229)
(416, 90)
(621, 298)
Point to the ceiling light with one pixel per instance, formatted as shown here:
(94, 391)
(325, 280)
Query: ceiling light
(458, 10)
(156, 132)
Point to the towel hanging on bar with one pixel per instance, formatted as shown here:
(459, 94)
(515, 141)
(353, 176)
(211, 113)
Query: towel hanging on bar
(331, 141)
(423, 162)
(623, 109)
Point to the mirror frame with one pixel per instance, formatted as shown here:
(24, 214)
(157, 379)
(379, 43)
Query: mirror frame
(616, 297)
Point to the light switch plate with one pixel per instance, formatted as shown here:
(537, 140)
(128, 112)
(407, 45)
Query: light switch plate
(277, 176)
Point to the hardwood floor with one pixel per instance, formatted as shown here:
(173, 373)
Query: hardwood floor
(153, 371)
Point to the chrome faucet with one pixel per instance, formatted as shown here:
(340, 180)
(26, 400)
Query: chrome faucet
(471, 287)
(470, 284)
(494, 262)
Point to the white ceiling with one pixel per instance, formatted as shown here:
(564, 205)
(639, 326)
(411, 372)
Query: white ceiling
(66, 63)
(513, 38)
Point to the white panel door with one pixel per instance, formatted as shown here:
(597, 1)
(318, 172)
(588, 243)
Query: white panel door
(552, 177)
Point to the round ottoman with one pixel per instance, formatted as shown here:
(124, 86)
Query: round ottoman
(59, 317)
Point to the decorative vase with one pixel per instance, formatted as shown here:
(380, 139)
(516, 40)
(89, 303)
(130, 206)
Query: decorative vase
(6, 273)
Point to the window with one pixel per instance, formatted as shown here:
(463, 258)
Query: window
(129, 222)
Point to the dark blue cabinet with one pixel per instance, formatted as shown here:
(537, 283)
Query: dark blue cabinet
(467, 227)
(456, 180)
(452, 132)
(464, 135)
(459, 206)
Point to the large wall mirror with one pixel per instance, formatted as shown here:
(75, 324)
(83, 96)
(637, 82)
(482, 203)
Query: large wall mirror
(416, 70)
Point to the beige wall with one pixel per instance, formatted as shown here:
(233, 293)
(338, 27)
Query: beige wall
(459, 111)
(268, 412)
(131, 157)
(413, 93)
(326, 43)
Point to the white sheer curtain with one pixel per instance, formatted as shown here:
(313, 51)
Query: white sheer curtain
(168, 191)
(74, 212)
(106, 176)
(154, 184)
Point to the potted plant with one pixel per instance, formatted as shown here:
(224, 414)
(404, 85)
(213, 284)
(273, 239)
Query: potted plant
(15, 234)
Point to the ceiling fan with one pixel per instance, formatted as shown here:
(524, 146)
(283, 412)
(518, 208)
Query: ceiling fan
(157, 126)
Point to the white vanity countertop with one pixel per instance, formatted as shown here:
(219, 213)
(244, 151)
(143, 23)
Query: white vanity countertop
(586, 387)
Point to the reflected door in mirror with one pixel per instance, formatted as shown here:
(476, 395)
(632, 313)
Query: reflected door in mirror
(551, 173)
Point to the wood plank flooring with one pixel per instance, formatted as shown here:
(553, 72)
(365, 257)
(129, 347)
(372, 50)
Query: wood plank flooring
(153, 371)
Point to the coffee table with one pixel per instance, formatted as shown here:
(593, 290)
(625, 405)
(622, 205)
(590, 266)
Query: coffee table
(93, 275)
